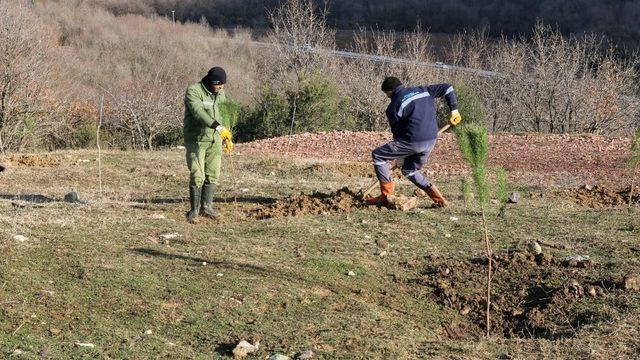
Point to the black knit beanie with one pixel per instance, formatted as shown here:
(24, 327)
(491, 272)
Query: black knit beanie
(390, 83)
(215, 76)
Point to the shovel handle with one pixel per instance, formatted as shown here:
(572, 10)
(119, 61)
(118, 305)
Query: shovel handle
(444, 128)
(369, 189)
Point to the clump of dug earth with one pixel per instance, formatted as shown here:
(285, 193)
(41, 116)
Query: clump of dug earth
(343, 200)
(31, 160)
(600, 196)
(533, 296)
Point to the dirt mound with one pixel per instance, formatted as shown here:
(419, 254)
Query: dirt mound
(600, 196)
(343, 200)
(532, 296)
(32, 160)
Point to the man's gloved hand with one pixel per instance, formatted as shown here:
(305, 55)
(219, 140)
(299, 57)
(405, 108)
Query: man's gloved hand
(227, 146)
(225, 134)
(455, 118)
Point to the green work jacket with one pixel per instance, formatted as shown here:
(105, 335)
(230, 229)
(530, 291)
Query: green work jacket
(201, 111)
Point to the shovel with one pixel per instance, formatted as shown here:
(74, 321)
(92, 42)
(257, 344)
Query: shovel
(395, 166)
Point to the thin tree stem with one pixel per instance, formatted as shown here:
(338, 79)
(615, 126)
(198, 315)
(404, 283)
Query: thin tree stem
(293, 119)
(489, 271)
(633, 182)
(98, 145)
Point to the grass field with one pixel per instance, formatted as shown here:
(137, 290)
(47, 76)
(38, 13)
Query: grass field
(105, 272)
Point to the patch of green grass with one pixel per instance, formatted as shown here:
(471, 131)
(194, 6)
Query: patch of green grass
(100, 273)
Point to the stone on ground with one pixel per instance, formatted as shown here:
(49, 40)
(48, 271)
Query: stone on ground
(244, 348)
(514, 198)
(401, 202)
(632, 282)
(279, 357)
(307, 355)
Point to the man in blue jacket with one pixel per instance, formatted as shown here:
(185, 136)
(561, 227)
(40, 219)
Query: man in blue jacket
(412, 117)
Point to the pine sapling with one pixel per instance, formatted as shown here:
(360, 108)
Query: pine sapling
(467, 192)
(229, 113)
(474, 143)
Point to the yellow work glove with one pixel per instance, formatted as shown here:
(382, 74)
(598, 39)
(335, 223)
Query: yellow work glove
(455, 118)
(227, 146)
(225, 134)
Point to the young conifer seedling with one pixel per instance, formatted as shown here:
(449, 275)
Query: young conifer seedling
(474, 143)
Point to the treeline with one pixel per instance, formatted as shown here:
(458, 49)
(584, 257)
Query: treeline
(617, 19)
(64, 63)
(60, 60)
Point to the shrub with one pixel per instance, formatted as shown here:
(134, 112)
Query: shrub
(312, 107)
(315, 105)
(266, 119)
(469, 105)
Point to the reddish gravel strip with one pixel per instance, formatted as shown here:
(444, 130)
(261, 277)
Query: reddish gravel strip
(538, 159)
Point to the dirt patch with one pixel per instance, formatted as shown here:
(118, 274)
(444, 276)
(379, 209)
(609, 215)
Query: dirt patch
(601, 196)
(343, 200)
(528, 158)
(533, 296)
(348, 169)
(32, 160)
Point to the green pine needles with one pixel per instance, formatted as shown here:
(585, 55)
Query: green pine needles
(474, 143)
(229, 113)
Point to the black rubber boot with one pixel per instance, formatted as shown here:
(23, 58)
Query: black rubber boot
(207, 201)
(194, 196)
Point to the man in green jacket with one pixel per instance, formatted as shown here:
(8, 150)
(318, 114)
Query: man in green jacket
(205, 136)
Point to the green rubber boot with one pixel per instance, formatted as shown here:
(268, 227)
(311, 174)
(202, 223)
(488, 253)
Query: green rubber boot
(194, 197)
(207, 202)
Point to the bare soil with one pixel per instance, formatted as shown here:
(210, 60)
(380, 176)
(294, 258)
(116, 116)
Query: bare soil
(30, 160)
(343, 200)
(533, 296)
(602, 196)
(534, 159)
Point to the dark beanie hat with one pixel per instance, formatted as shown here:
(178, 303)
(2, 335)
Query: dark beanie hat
(216, 76)
(390, 83)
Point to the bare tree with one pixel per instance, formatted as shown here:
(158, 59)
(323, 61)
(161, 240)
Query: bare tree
(301, 33)
(303, 42)
(24, 73)
(360, 79)
(147, 108)
(554, 84)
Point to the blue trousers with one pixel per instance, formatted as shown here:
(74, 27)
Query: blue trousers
(412, 156)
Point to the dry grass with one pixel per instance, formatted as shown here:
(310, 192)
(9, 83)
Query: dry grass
(142, 64)
(101, 273)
